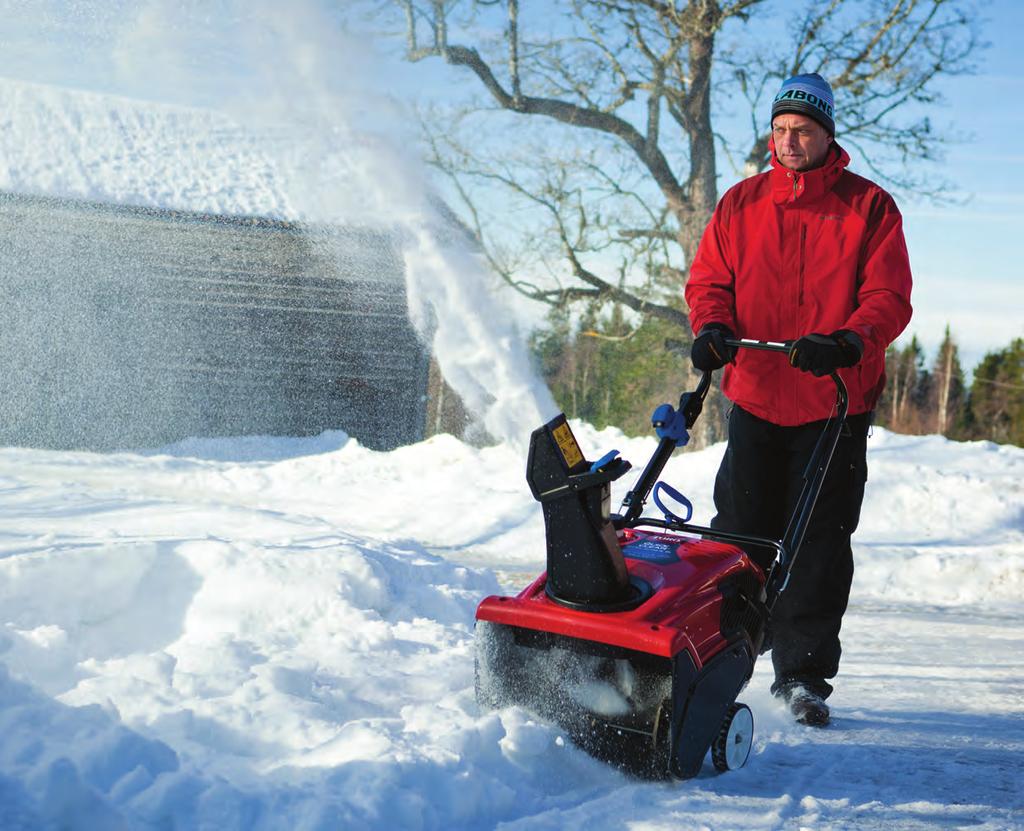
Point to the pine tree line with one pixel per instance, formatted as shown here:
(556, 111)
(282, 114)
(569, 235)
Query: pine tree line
(609, 371)
(935, 398)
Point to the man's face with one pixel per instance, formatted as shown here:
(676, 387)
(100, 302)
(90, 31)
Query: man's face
(801, 143)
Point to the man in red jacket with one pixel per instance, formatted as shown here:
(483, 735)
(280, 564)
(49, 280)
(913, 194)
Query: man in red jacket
(812, 252)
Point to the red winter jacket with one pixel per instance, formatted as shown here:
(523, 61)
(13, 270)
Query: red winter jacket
(787, 254)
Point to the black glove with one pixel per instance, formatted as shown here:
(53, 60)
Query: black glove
(824, 354)
(710, 351)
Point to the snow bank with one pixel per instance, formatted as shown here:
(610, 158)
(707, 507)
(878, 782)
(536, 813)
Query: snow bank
(317, 683)
(268, 633)
(942, 523)
(201, 660)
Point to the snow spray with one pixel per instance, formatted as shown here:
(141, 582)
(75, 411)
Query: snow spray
(362, 174)
(295, 83)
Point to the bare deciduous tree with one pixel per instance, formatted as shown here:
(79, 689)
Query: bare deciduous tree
(618, 107)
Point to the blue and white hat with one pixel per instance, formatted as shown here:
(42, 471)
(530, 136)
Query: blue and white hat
(807, 95)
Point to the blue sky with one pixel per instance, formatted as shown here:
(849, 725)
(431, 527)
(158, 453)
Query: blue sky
(968, 259)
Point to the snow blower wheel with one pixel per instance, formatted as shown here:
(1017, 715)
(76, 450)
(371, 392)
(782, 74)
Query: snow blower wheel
(731, 747)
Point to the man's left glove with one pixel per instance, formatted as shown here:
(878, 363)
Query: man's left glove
(824, 354)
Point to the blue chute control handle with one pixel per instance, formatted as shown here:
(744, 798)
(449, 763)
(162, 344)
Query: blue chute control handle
(604, 460)
(672, 494)
(669, 423)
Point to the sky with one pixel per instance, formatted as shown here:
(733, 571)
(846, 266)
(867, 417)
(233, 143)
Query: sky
(967, 258)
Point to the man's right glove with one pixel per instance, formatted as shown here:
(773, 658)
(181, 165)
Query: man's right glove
(824, 354)
(710, 351)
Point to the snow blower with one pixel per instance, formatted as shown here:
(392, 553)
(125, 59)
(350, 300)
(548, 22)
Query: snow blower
(642, 631)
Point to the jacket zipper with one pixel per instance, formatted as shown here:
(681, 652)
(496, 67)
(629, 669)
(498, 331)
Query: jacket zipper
(803, 248)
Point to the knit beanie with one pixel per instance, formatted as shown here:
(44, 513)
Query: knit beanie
(806, 95)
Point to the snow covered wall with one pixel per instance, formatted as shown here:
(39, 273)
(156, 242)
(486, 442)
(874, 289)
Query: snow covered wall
(125, 327)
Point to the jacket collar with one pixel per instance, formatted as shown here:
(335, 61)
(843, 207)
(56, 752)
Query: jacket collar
(789, 186)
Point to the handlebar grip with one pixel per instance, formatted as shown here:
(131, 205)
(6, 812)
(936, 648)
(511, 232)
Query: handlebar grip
(766, 345)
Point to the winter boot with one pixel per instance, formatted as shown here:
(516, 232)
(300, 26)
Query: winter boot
(806, 705)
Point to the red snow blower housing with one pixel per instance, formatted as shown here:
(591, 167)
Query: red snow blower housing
(642, 631)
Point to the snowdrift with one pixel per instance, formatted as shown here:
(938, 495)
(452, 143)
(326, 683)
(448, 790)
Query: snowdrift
(276, 633)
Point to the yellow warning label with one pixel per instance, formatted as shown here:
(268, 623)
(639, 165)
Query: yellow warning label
(567, 444)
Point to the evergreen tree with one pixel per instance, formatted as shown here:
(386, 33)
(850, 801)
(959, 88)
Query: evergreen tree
(996, 400)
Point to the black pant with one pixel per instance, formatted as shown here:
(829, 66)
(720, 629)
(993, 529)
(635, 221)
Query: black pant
(755, 493)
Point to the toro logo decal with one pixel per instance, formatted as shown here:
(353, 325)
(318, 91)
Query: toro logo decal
(652, 550)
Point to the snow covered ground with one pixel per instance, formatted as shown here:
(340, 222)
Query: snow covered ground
(264, 633)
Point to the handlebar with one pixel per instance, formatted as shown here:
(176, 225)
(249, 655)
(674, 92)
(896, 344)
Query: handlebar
(766, 345)
(690, 404)
(786, 346)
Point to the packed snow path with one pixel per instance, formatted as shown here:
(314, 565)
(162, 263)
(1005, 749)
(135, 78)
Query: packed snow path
(276, 633)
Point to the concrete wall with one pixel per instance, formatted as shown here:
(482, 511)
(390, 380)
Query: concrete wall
(125, 327)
